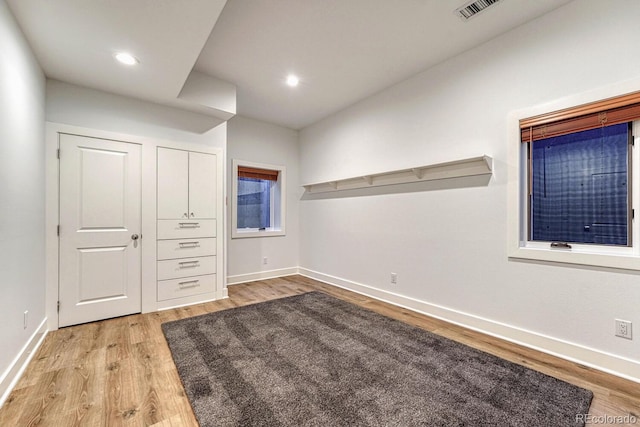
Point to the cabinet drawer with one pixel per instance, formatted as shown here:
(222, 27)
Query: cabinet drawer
(185, 228)
(183, 248)
(178, 288)
(186, 267)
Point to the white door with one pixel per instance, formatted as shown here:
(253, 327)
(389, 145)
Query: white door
(202, 185)
(100, 227)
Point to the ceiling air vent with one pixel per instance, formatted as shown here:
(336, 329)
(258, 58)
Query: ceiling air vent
(472, 9)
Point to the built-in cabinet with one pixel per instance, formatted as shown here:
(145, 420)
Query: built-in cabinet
(186, 235)
(186, 184)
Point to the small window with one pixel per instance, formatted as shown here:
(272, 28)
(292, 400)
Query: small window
(254, 203)
(580, 187)
(258, 202)
(571, 198)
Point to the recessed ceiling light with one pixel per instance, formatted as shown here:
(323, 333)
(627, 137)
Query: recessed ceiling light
(293, 80)
(126, 58)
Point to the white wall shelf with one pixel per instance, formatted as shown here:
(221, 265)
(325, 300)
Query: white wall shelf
(474, 166)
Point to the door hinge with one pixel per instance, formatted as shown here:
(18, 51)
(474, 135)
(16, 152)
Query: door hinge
(58, 153)
(58, 306)
(633, 214)
(58, 230)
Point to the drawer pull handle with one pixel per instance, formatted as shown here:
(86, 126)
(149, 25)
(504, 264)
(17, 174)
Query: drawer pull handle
(188, 264)
(189, 244)
(189, 224)
(191, 283)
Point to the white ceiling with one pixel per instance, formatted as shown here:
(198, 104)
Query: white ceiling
(342, 50)
(74, 41)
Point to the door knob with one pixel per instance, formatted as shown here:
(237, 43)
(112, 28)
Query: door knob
(135, 237)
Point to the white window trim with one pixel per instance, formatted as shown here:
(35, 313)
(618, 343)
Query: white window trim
(278, 195)
(518, 247)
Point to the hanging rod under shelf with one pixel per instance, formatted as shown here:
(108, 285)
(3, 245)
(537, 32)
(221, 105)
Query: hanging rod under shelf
(482, 165)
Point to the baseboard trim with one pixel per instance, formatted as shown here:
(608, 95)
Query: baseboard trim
(602, 361)
(261, 275)
(12, 375)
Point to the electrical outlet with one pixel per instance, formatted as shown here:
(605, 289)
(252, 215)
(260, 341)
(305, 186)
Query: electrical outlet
(265, 260)
(394, 278)
(623, 329)
(26, 319)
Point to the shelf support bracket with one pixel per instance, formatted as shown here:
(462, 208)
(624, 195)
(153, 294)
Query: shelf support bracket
(489, 161)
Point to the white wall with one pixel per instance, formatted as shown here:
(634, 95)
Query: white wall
(22, 265)
(256, 141)
(79, 106)
(448, 247)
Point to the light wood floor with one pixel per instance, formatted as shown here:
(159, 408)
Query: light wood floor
(120, 372)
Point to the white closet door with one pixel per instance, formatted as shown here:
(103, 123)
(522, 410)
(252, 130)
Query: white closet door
(202, 185)
(173, 183)
(100, 223)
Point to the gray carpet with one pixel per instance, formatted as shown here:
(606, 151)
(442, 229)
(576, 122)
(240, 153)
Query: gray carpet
(314, 360)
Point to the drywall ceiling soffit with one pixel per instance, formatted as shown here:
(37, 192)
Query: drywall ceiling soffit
(212, 95)
(74, 41)
(343, 51)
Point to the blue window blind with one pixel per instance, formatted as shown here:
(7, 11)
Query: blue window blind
(254, 203)
(579, 187)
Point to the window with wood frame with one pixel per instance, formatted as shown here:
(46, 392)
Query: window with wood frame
(579, 173)
(258, 202)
